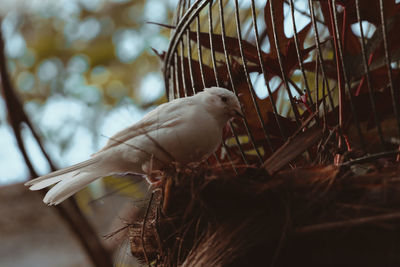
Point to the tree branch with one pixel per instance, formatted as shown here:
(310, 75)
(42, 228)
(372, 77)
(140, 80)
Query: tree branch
(68, 210)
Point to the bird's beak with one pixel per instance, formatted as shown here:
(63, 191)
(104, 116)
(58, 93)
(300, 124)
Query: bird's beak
(238, 113)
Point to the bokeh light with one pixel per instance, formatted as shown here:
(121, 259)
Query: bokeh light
(76, 64)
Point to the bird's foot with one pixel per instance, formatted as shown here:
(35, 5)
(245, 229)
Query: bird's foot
(155, 185)
(154, 180)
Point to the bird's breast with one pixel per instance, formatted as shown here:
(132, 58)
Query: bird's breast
(191, 138)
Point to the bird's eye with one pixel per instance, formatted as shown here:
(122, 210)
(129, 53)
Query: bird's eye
(224, 99)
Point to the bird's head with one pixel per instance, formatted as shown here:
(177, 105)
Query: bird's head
(222, 103)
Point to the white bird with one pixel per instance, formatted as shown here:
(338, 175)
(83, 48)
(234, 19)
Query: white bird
(184, 130)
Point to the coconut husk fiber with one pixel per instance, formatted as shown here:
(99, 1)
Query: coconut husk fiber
(314, 216)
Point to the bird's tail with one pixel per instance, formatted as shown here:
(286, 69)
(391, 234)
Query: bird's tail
(68, 181)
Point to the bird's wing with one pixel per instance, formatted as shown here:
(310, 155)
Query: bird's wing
(165, 115)
(62, 171)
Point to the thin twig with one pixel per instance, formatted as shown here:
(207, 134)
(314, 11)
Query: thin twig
(108, 236)
(143, 229)
(347, 223)
(370, 157)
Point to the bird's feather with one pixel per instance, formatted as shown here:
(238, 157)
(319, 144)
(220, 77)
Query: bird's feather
(67, 187)
(163, 116)
(183, 130)
(59, 173)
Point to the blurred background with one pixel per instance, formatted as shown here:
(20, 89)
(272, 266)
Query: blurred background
(83, 70)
